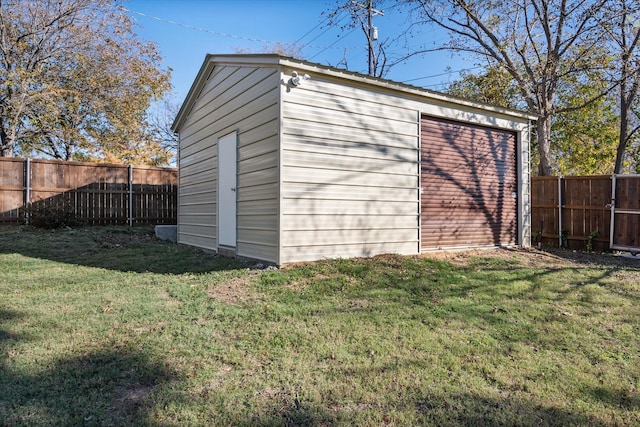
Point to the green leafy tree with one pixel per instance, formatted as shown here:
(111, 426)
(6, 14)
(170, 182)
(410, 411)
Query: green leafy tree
(621, 25)
(494, 86)
(541, 44)
(76, 82)
(584, 136)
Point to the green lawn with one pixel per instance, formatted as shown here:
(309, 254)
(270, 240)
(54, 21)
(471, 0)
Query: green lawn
(106, 326)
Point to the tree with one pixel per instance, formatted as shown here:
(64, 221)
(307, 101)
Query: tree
(494, 86)
(284, 49)
(161, 117)
(75, 82)
(361, 15)
(584, 139)
(541, 44)
(621, 25)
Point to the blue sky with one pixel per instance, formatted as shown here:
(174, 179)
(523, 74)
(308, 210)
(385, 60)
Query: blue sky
(186, 30)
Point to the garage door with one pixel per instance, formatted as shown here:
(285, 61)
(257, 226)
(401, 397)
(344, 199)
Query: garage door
(469, 185)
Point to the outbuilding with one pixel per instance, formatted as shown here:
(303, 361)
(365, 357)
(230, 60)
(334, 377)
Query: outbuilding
(284, 160)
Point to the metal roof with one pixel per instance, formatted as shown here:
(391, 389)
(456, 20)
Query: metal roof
(275, 60)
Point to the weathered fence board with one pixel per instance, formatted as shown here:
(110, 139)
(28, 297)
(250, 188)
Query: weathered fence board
(99, 194)
(12, 189)
(575, 211)
(627, 213)
(545, 208)
(585, 212)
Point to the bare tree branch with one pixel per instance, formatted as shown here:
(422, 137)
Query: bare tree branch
(552, 49)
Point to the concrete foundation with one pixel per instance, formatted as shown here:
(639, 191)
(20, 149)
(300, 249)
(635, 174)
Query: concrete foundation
(167, 232)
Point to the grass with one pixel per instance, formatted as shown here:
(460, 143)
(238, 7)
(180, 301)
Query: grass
(108, 326)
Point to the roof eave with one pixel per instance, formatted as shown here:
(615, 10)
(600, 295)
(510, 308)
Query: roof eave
(211, 60)
(403, 87)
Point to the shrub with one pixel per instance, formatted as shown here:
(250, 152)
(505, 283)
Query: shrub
(49, 216)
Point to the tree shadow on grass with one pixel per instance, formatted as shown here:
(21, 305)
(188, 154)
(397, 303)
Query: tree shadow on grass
(6, 315)
(595, 259)
(113, 248)
(293, 413)
(103, 387)
(468, 409)
(458, 409)
(100, 387)
(619, 398)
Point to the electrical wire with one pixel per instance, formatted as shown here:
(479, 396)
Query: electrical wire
(329, 27)
(322, 48)
(443, 74)
(311, 30)
(219, 33)
(331, 45)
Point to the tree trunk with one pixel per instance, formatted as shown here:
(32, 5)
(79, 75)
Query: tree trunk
(543, 127)
(622, 141)
(6, 144)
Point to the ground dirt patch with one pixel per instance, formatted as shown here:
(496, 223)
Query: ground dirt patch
(114, 238)
(532, 257)
(237, 290)
(130, 399)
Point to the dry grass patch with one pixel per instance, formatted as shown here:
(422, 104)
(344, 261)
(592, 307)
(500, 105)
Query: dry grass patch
(236, 290)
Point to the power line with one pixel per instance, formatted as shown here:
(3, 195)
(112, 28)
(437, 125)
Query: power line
(323, 48)
(331, 45)
(329, 27)
(442, 74)
(217, 33)
(311, 30)
(191, 27)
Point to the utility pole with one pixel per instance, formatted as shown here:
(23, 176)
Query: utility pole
(371, 32)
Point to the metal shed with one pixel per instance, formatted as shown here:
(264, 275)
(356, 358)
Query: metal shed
(284, 160)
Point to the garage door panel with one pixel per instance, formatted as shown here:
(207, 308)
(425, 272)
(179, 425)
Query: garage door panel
(469, 180)
(472, 187)
(465, 211)
(464, 233)
(461, 176)
(475, 150)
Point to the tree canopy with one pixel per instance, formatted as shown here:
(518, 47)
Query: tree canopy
(584, 138)
(620, 25)
(76, 83)
(541, 44)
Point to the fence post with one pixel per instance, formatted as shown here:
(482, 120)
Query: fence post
(130, 168)
(560, 211)
(27, 189)
(612, 228)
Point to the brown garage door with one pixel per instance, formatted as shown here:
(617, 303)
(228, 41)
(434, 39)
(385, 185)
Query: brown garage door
(469, 182)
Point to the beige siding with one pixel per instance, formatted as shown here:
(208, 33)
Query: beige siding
(350, 175)
(246, 99)
(350, 168)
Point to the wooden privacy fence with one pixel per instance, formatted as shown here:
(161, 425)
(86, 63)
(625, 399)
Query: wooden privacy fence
(98, 194)
(586, 212)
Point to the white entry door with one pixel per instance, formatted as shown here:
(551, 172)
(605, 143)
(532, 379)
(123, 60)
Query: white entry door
(227, 190)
